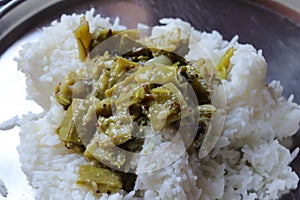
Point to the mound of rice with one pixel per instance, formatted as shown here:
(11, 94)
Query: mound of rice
(248, 161)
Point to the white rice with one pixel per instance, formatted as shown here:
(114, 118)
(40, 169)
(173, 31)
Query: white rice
(248, 161)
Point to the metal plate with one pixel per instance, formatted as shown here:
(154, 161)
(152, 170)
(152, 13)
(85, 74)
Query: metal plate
(265, 24)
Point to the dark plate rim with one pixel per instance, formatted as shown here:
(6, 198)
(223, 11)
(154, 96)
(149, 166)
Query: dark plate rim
(279, 8)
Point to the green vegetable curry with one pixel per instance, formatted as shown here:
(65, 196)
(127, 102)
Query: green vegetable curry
(109, 102)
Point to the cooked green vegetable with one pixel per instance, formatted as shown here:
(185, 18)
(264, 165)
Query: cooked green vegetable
(104, 150)
(64, 91)
(87, 41)
(223, 66)
(132, 97)
(67, 131)
(164, 109)
(206, 111)
(173, 37)
(118, 128)
(99, 179)
(195, 77)
(103, 107)
(101, 35)
(111, 75)
(157, 73)
(83, 37)
(84, 117)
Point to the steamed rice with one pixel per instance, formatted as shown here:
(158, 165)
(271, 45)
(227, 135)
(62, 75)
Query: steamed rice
(248, 161)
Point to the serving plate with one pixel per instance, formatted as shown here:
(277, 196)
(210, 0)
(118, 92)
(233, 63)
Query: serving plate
(266, 24)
